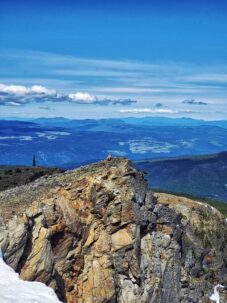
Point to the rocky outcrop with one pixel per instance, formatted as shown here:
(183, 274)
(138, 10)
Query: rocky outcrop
(97, 234)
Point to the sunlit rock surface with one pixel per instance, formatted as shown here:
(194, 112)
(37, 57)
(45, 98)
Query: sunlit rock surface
(97, 234)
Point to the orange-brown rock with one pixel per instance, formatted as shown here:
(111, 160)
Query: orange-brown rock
(98, 235)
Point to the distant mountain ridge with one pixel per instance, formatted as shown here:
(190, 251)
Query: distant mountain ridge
(151, 121)
(62, 142)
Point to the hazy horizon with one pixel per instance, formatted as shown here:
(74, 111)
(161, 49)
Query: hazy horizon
(109, 118)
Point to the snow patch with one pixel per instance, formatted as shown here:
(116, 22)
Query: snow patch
(215, 297)
(14, 290)
(51, 135)
(21, 138)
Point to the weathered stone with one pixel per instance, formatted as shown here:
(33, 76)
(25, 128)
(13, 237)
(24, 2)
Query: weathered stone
(98, 235)
(123, 238)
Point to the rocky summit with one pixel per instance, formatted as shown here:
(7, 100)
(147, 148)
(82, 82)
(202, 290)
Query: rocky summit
(98, 235)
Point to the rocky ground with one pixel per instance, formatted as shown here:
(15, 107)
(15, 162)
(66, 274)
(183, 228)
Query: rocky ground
(97, 234)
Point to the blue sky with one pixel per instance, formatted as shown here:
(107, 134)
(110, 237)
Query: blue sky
(96, 58)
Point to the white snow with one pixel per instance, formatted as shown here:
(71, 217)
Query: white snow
(215, 297)
(14, 290)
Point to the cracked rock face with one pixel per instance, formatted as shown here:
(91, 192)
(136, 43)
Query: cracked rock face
(97, 234)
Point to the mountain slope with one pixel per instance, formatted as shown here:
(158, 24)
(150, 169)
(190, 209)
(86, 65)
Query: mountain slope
(97, 234)
(202, 176)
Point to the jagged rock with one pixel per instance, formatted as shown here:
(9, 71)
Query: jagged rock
(97, 234)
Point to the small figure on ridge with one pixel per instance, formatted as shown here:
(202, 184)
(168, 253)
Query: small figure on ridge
(109, 158)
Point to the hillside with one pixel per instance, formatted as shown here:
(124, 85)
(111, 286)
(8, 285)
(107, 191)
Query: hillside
(202, 176)
(98, 234)
(12, 176)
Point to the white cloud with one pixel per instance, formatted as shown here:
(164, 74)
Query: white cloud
(14, 103)
(149, 110)
(82, 98)
(86, 98)
(43, 90)
(16, 95)
(23, 90)
(13, 89)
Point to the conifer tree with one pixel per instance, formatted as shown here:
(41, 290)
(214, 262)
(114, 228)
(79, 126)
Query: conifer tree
(33, 161)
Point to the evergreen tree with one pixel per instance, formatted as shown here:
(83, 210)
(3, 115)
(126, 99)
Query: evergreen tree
(33, 161)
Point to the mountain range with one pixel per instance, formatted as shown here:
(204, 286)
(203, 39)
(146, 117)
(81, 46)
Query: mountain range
(70, 143)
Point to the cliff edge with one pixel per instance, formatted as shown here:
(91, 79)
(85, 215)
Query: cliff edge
(98, 234)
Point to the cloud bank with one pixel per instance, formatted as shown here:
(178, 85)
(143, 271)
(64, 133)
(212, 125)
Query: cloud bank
(85, 98)
(18, 95)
